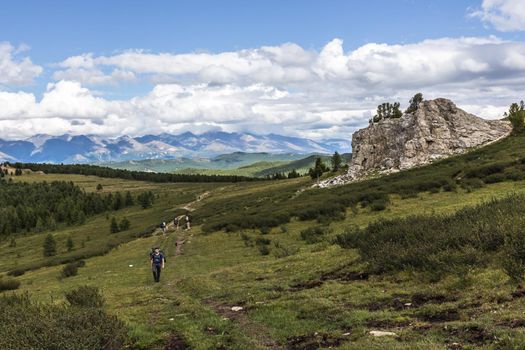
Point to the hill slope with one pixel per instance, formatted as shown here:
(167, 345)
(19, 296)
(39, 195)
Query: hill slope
(297, 289)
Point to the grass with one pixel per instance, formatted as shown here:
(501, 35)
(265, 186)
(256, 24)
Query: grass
(316, 293)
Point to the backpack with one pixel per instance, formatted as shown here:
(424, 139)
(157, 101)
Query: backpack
(157, 259)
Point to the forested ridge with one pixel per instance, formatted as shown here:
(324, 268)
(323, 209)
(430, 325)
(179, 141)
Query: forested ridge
(86, 169)
(41, 206)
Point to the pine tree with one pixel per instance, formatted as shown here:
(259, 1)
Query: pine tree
(118, 201)
(113, 228)
(129, 199)
(516, 116)
(124, 224)
(318, 169)
(69, 244)
(414, 102)
(337, 161)
(50, 245)
(145, 199)
(99, 187)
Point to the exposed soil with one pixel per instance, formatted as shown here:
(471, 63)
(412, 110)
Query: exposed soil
(514, 323)
(382, 324)
(312, 342)
(419, 299)
(471, 334)
(441, 316)
(176, 343)
(348, 276)
(518, 293)
(305, 285)
(253, 330)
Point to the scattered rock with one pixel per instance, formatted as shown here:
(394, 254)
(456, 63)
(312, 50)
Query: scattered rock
(237, 308)
(382, 334)
(130, 265)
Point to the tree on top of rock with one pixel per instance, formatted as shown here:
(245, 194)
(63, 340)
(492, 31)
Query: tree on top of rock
(414, 102)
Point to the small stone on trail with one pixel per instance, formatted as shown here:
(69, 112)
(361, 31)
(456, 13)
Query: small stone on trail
(130, 265)
(237, 308)
(408, 304)
(382, 334)
(346, 334)
(172, 319)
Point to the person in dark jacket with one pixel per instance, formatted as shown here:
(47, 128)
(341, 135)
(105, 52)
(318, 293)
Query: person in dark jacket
(157, 263)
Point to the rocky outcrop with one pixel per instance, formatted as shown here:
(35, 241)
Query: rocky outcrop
(437, 129)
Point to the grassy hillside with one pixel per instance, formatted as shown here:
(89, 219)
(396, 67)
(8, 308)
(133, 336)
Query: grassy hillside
(302, 263)
(212, 166)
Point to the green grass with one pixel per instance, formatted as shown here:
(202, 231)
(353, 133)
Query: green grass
(298, 294)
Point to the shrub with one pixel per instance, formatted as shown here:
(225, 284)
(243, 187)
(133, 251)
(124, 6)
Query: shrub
(265, 230)
(470, 184)
(262, 241)
(9, 284)
(28, 325)
(69, 270)
(313, 234)
(450, 186)
(85, 296)
(16, 272)
(378, 205)
(512, 256)
(281, 251)
(264, 249)
(494, 178)
(445, 244)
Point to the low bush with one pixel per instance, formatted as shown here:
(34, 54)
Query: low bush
(16, 272)
(264, 249)
(69, 270)
(494, 178)
(25, 324)
(472, 237)
(314, 234)
(262, 241)
(8, 284)
(282, 251)
(85, 296)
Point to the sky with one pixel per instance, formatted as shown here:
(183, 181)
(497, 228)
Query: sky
(314, 69)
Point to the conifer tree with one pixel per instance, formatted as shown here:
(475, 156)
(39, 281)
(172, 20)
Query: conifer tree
(50, 245)
(69, 244)
(114, 226)
(336, 161)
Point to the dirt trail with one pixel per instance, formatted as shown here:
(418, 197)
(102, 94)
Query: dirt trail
(251, 329)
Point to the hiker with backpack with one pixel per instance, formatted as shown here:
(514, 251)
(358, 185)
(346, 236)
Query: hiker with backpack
(163, 227)
(157, 260)
(187, 221)
(176, 223)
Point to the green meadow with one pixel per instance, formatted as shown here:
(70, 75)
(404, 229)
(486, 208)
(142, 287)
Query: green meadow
(296, 285)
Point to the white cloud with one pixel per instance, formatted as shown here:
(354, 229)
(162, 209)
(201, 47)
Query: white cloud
(504, 15)
(16, 70)
(282, 89)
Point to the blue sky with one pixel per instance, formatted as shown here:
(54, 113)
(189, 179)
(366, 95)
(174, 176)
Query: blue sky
(320, 66)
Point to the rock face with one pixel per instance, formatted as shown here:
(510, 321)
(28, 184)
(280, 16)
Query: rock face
(437, 129)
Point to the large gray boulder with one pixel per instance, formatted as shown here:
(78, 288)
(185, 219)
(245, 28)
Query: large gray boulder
(437, 129)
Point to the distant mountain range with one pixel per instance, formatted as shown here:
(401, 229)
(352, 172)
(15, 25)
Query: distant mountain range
(96, 149)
